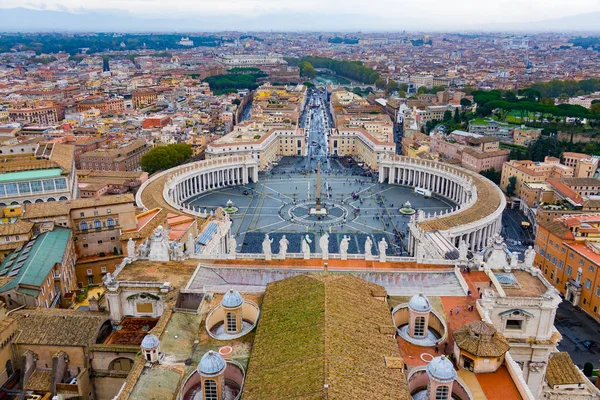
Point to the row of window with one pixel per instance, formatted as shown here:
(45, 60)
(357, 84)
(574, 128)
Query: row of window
(48, 185)
(97, 224)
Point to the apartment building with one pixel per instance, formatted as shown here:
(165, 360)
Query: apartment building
(96, 222)
(43, 271)
(533, 171)
(568, 254)
(473, 151)
(585, 166)
(124, 157)
(36, 115)
(104, 105)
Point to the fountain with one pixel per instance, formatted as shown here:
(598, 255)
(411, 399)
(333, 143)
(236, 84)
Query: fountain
(407, 209)
(230, 208)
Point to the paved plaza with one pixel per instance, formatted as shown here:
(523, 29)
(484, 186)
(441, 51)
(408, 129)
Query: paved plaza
(357, 206)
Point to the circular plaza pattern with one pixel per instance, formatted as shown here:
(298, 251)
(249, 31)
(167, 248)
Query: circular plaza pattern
(457, 203)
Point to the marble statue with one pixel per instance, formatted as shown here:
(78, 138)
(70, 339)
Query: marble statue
(368, 246)
(529, 257)
(190, 246)
(232, 247)
(382, 249)
(159, 245)
(344, 244)
(142, 250)
(306, 247)
(178, 254)
(266, 246)
(324, 245)
(514, 259)
(463, 249)
(131, 248)
(283, 246)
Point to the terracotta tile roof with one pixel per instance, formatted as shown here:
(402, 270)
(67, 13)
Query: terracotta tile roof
(39, 381)
(39, 210)
(62, 155)
(317, 330)
(562, 371)
(58, 327)
(481, 339)
(18, 228)
(489, 199)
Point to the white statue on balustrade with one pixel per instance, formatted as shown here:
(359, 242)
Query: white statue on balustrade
(266, 247)
(131, 248)
(305, 246)
(344, 245)
(159, 245)
(463, 249)
(514, 259)
(283, 246)
(232, 247)
(383, 246)
(143, 250)
(529, 257)
(368, 247)
(178, 254)
(324, 245)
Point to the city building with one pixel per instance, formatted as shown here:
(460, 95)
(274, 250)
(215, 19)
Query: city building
(531, 171)
(122, 157)
(42, 271)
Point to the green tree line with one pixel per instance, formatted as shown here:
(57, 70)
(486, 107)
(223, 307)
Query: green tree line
(162, 158)
(354, 70)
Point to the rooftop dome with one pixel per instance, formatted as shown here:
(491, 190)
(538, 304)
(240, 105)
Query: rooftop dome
(481, 339)
(441, 370)
(150, 341)
(211, 364)
(419, 303)
(232, 299)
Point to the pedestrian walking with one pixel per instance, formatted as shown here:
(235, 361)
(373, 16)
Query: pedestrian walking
(437, 350)
(445, 346)
(456, 310)
(490, 283)
(450, 311)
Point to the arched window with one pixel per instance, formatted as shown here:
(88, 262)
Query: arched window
(231, 322)
(441, 393)
(63, 198)
(97, 224)
(210, 389)
(121, 364)
(50, 199)
(83, 225)
(110, 222)
(419, 326)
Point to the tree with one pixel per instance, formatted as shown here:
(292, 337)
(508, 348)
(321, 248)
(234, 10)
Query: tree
(236, 102)
(447, 115)
(380, 83)
(563, 97)
(465, 103)
(492, 175)
(392, 86)
(595, 108)
(544, 146)
(456, 116)
(512, 184)
(307, 70)
(165, 157)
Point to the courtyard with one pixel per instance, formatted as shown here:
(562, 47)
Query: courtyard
(357, 206)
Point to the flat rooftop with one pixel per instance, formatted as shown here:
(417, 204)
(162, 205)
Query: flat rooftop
(176, 272)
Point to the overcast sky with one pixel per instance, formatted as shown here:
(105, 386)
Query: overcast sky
(443, 11)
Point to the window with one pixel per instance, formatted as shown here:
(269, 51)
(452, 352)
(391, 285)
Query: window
(441, 393)
(60, 184)
(85, 245)
(108, 210)
(97, 224)
(210, 390)
(83, 225)
(571, 255)
(588, 284)
(514, 324)
(36, 186)
(103, 269)
(569, 269)
(81, 214)
(598, 291)
(581, 262)
(110, 222)
(560, 264)
(231, 322)
(99, 241)
(95, 213)
(419, 330)
(591, 268)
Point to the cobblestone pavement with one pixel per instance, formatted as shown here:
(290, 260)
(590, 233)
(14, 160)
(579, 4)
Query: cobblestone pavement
(374, 209)
(581, 334)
